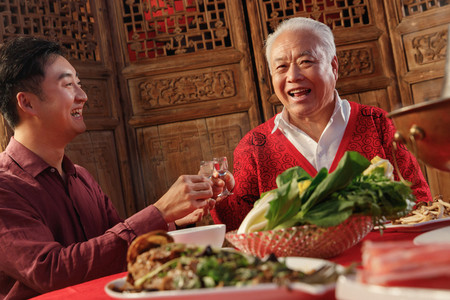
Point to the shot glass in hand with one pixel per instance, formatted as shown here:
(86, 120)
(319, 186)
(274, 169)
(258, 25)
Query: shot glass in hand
(221, 166)
(206, 168)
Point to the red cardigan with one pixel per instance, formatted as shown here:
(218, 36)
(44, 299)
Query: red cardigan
(261, 156)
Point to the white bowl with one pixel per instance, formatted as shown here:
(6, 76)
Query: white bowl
(212, 235)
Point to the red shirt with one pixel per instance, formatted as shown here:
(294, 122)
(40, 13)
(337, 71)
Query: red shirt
(261, 156)
(52, 234)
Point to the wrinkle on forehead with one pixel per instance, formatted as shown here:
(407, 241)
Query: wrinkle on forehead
(304, 53)
(284, 47)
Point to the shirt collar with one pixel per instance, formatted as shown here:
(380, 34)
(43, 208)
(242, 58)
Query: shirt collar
(32, 163)
(282, 119)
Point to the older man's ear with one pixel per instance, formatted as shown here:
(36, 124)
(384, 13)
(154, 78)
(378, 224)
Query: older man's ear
(335, 66)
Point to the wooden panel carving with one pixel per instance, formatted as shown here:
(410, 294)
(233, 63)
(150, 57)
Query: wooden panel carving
(70, 22)
(159, 28)
(360, 68)
(166, 151)
(225, 135)
(425, 47)
(355, 62)
(195, 87)
(333, 13)
(198, 92)
(95, 150)
(97, 104)
(416, 7)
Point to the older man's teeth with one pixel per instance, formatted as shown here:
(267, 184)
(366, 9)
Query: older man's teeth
(76, 113)
(299, 92)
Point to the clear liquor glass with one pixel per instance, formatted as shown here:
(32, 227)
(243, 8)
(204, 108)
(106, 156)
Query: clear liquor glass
(221, 166)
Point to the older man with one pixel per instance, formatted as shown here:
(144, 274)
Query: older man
(316, 126)
(57, 227)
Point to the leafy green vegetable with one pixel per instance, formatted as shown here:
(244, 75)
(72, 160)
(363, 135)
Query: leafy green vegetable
(292, 174)
(351, 164)
(332, 198)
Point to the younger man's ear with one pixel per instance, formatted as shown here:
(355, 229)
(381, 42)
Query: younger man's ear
(24, 101)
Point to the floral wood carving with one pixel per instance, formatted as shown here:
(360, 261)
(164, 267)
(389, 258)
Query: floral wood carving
(156, 93)
(70, 22)
(355, 62)
(430, 47)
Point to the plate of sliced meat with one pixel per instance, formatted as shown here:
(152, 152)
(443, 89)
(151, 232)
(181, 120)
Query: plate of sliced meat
(397, 270)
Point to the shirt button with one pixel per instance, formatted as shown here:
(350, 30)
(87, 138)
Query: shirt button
(52, 170)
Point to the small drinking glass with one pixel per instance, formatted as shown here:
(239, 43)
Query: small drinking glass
(221, 166)
(206, 168)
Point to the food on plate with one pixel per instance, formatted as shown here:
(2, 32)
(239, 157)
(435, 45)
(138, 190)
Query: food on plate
(401, 263)
(423, 212)
(355, 187)
(146, 241)
(176, 266)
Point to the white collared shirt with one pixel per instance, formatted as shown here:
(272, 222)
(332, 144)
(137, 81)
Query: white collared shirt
(320, 154)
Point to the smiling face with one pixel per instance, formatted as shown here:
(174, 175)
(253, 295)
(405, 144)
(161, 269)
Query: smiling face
(304, 79)
(60, 108)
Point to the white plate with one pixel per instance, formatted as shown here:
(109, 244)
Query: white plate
(418, 227)
(441, 235)
(259, 292)
(348, 288)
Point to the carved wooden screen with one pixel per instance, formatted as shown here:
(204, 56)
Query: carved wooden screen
(186, 73)
(77, 25)
(419, 32)
(366, 73)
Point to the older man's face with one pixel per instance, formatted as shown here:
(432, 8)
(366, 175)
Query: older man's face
(303, 78)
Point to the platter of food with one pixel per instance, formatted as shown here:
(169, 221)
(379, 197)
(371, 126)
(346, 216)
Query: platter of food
(425, 217)
(295, 290)
(159, 268)
(416, 227)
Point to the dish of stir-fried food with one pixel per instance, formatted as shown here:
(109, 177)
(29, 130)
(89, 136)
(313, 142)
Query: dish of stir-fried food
(434, 210)
(155, 263)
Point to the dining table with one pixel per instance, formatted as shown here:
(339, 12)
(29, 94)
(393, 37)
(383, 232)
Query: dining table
(95, 289)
